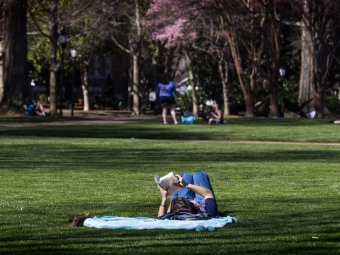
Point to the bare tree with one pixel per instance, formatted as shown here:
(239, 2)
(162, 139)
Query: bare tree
(234, 15)
(45, 16)
(134, 45)
(322, 38)
(305, 88)
(80, 19)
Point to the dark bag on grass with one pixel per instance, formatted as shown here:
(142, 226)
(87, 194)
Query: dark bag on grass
(185, 216)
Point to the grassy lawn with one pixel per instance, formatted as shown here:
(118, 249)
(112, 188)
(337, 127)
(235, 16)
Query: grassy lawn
(288, 130)
(284, 195)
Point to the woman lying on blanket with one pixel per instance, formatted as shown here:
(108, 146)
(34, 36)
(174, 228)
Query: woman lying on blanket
(196, 197)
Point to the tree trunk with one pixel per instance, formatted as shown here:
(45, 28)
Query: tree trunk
(223, 70)
(53, 28)
(85, 88)
(321, 64)
(249, 102)
(192, 83)
(247, 87)
(135, 85)
(305, 88)
(324, 45)
(249, 97)
(136, 60)
(1, 49)
(274, 108)
(274, 88)
(320, 102)
(15, 65)
(272, 47)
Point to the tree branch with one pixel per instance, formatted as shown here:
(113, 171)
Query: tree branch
(119, 45)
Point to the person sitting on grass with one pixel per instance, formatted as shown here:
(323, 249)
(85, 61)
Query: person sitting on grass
(195, 197)
(33, 108)
(216, 116)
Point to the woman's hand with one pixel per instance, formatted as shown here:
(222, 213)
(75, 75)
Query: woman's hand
(181, 182)
(164, 193)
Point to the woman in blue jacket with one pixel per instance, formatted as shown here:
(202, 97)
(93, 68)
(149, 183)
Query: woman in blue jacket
(166, 89)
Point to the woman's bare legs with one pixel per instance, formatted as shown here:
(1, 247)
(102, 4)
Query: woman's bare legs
(40, 107)
(165, 110)
(173, 114)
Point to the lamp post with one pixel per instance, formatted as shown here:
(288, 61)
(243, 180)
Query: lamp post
(32, 88)
(336, 90)
(73, 55)
(129, 99)
(282, 71)
(63, 43)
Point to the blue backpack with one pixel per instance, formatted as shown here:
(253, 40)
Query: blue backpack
(188, 120)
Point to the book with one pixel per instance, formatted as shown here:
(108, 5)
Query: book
(167, 181)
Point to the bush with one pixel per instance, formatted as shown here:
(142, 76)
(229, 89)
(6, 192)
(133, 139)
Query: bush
(333, 105)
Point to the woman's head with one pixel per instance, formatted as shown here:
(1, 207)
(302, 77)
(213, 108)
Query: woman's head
(181, 204)
(165, 78)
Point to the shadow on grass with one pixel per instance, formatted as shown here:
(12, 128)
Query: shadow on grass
(109, 157)
(38, 119)
(108, 131)
(152, 130)
(273, 233)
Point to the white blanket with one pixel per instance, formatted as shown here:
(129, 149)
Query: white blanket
(113, 222)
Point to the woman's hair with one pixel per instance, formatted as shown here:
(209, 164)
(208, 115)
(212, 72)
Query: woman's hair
(165, 78)
(76, 221)
(181, 204)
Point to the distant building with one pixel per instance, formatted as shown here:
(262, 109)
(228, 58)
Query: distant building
(104, 80)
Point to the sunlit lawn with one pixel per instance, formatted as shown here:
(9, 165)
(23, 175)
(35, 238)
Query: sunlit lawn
(284, 195)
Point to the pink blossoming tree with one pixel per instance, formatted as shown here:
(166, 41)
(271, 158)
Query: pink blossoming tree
(253, 27)
(186, 24)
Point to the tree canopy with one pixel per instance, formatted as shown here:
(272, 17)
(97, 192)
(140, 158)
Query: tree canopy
(242, 43)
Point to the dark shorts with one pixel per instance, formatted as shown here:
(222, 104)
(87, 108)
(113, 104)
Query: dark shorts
(167, 101)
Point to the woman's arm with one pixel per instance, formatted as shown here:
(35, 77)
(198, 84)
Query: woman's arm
(162, 206)
(173, 87)
(204, 192)
(217, 115)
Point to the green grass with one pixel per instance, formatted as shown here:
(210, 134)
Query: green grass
(284, 195)
(288, 130)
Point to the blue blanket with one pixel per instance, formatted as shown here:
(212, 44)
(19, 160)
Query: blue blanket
(113, 222)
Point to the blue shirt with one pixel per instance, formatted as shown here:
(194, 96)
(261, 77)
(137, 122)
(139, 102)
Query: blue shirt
(30, 107)
(166, 90)
(211, 207)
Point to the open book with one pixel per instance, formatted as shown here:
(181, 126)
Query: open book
(167, 181)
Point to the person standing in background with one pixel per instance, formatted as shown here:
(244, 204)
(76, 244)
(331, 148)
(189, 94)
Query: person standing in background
(166, 89)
